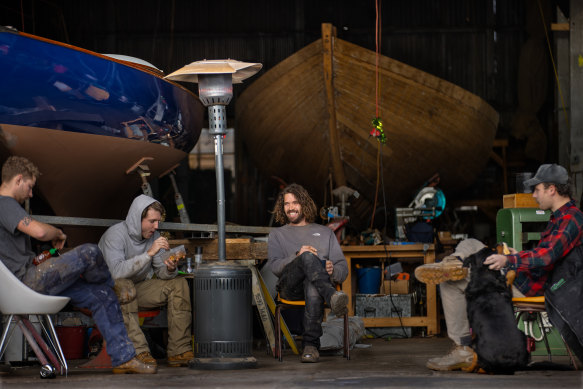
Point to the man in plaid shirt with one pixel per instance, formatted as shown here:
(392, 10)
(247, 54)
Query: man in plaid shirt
(552, 191)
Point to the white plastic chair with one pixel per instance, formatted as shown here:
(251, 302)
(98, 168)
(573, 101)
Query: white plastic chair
(18, 301)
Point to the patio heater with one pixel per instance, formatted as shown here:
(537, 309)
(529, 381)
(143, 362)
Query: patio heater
(223, 333)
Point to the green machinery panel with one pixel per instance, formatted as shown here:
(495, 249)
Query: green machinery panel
(512, 225)
(512, 228)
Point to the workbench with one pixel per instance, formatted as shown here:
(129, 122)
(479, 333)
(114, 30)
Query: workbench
(421, 252)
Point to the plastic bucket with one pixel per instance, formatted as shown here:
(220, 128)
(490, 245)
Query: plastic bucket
(369, 279)
(72, 340)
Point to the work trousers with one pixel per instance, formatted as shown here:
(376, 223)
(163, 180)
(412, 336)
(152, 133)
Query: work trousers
(153, 294)
(305, 278)
(453, 300)
(83, 275)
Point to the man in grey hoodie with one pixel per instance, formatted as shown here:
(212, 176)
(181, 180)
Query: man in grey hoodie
(308, 261)
(133, 251)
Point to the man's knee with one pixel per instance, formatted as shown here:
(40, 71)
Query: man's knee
(308, 258)
(90, 252)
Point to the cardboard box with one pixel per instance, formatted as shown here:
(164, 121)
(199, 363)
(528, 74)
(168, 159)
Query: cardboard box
(396, 287)
(519, 200)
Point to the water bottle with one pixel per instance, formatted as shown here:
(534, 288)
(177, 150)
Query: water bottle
(189, 269)
(198, 256)
(44, 256)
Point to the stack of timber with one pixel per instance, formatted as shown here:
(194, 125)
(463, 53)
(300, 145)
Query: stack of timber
(311, 114)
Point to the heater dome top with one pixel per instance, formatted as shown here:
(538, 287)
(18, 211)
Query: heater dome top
(239, 70)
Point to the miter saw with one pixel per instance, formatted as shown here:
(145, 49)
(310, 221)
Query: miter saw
(428, 204)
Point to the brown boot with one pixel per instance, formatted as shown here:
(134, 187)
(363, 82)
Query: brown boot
(147, 358)
(436, 273)
(310, 355)
(134, 365)
(180, 359)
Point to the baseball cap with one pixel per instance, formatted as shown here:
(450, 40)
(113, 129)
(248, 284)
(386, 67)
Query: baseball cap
(550, 174)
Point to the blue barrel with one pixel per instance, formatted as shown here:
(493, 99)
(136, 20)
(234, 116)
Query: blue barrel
(369, 279)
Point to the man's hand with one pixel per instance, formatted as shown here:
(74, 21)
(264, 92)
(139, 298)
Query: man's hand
(329, 267)
(160, 243)
(310, 249)
(59, 241)
(170, 265)
(496, 261)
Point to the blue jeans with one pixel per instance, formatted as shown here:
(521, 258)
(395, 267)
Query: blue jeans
(83, 275)
(305, 278)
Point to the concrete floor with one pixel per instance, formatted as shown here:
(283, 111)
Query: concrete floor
(395, 363)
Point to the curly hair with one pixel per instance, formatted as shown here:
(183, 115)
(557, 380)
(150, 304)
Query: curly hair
(308, 206)
(15, 165)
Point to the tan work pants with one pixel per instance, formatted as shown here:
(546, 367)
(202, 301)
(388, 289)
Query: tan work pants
(155, 293)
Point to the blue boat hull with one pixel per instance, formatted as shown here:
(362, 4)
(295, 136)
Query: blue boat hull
(86, 120)
(59, 87)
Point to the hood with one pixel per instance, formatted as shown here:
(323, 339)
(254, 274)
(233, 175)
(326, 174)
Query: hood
(133, 220)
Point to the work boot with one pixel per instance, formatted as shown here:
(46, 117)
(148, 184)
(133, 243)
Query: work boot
(310, 355)
(450, 269)
(124, 290)
(461, 357)
(147, 358)
(134, 365)
(180, 359)
(338, 303)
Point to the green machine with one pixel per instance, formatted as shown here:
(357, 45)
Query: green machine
(517, 227)
(513, 225)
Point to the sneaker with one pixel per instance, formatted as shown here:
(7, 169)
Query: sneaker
(338, 303)
(134, 365)
(180, 359)
(147, 358)
(461, 357)
(310, 355)
(124, 290)
(436, 273)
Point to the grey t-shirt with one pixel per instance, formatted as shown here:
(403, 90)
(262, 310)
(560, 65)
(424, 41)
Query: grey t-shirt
(285, 241)
(15, 247)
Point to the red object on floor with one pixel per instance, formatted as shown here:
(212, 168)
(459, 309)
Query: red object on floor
(102, 359)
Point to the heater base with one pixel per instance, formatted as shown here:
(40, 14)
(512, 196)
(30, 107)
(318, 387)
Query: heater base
(222, 363)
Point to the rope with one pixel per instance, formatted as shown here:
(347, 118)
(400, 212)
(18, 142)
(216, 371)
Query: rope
(378, 29)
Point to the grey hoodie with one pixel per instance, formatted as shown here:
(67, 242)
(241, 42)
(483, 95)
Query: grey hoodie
(126, 251)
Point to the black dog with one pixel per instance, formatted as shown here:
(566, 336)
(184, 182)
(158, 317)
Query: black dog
(499, 344)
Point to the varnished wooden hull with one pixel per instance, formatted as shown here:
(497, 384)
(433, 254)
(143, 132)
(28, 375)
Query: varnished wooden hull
(431, 125)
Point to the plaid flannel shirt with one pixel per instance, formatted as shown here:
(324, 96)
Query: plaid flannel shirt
(562, 234)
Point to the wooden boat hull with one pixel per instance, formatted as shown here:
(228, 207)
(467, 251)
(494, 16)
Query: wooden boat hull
(431, 125)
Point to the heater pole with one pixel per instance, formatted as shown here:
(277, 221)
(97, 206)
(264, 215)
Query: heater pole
(218, 128)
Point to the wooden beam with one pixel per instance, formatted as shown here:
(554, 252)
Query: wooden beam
(328, 36)
(237, 249)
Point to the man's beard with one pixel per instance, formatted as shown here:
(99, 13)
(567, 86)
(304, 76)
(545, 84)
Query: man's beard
(297, 220)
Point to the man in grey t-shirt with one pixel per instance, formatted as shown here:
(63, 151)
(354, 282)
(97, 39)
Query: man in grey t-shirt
(308, 261)
(80, 274)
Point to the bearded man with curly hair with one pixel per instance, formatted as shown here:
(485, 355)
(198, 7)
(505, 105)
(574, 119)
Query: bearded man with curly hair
(308, 261)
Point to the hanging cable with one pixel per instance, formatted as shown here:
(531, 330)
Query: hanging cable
(377, 123)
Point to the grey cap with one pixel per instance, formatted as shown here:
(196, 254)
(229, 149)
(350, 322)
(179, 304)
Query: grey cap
(550, 174)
